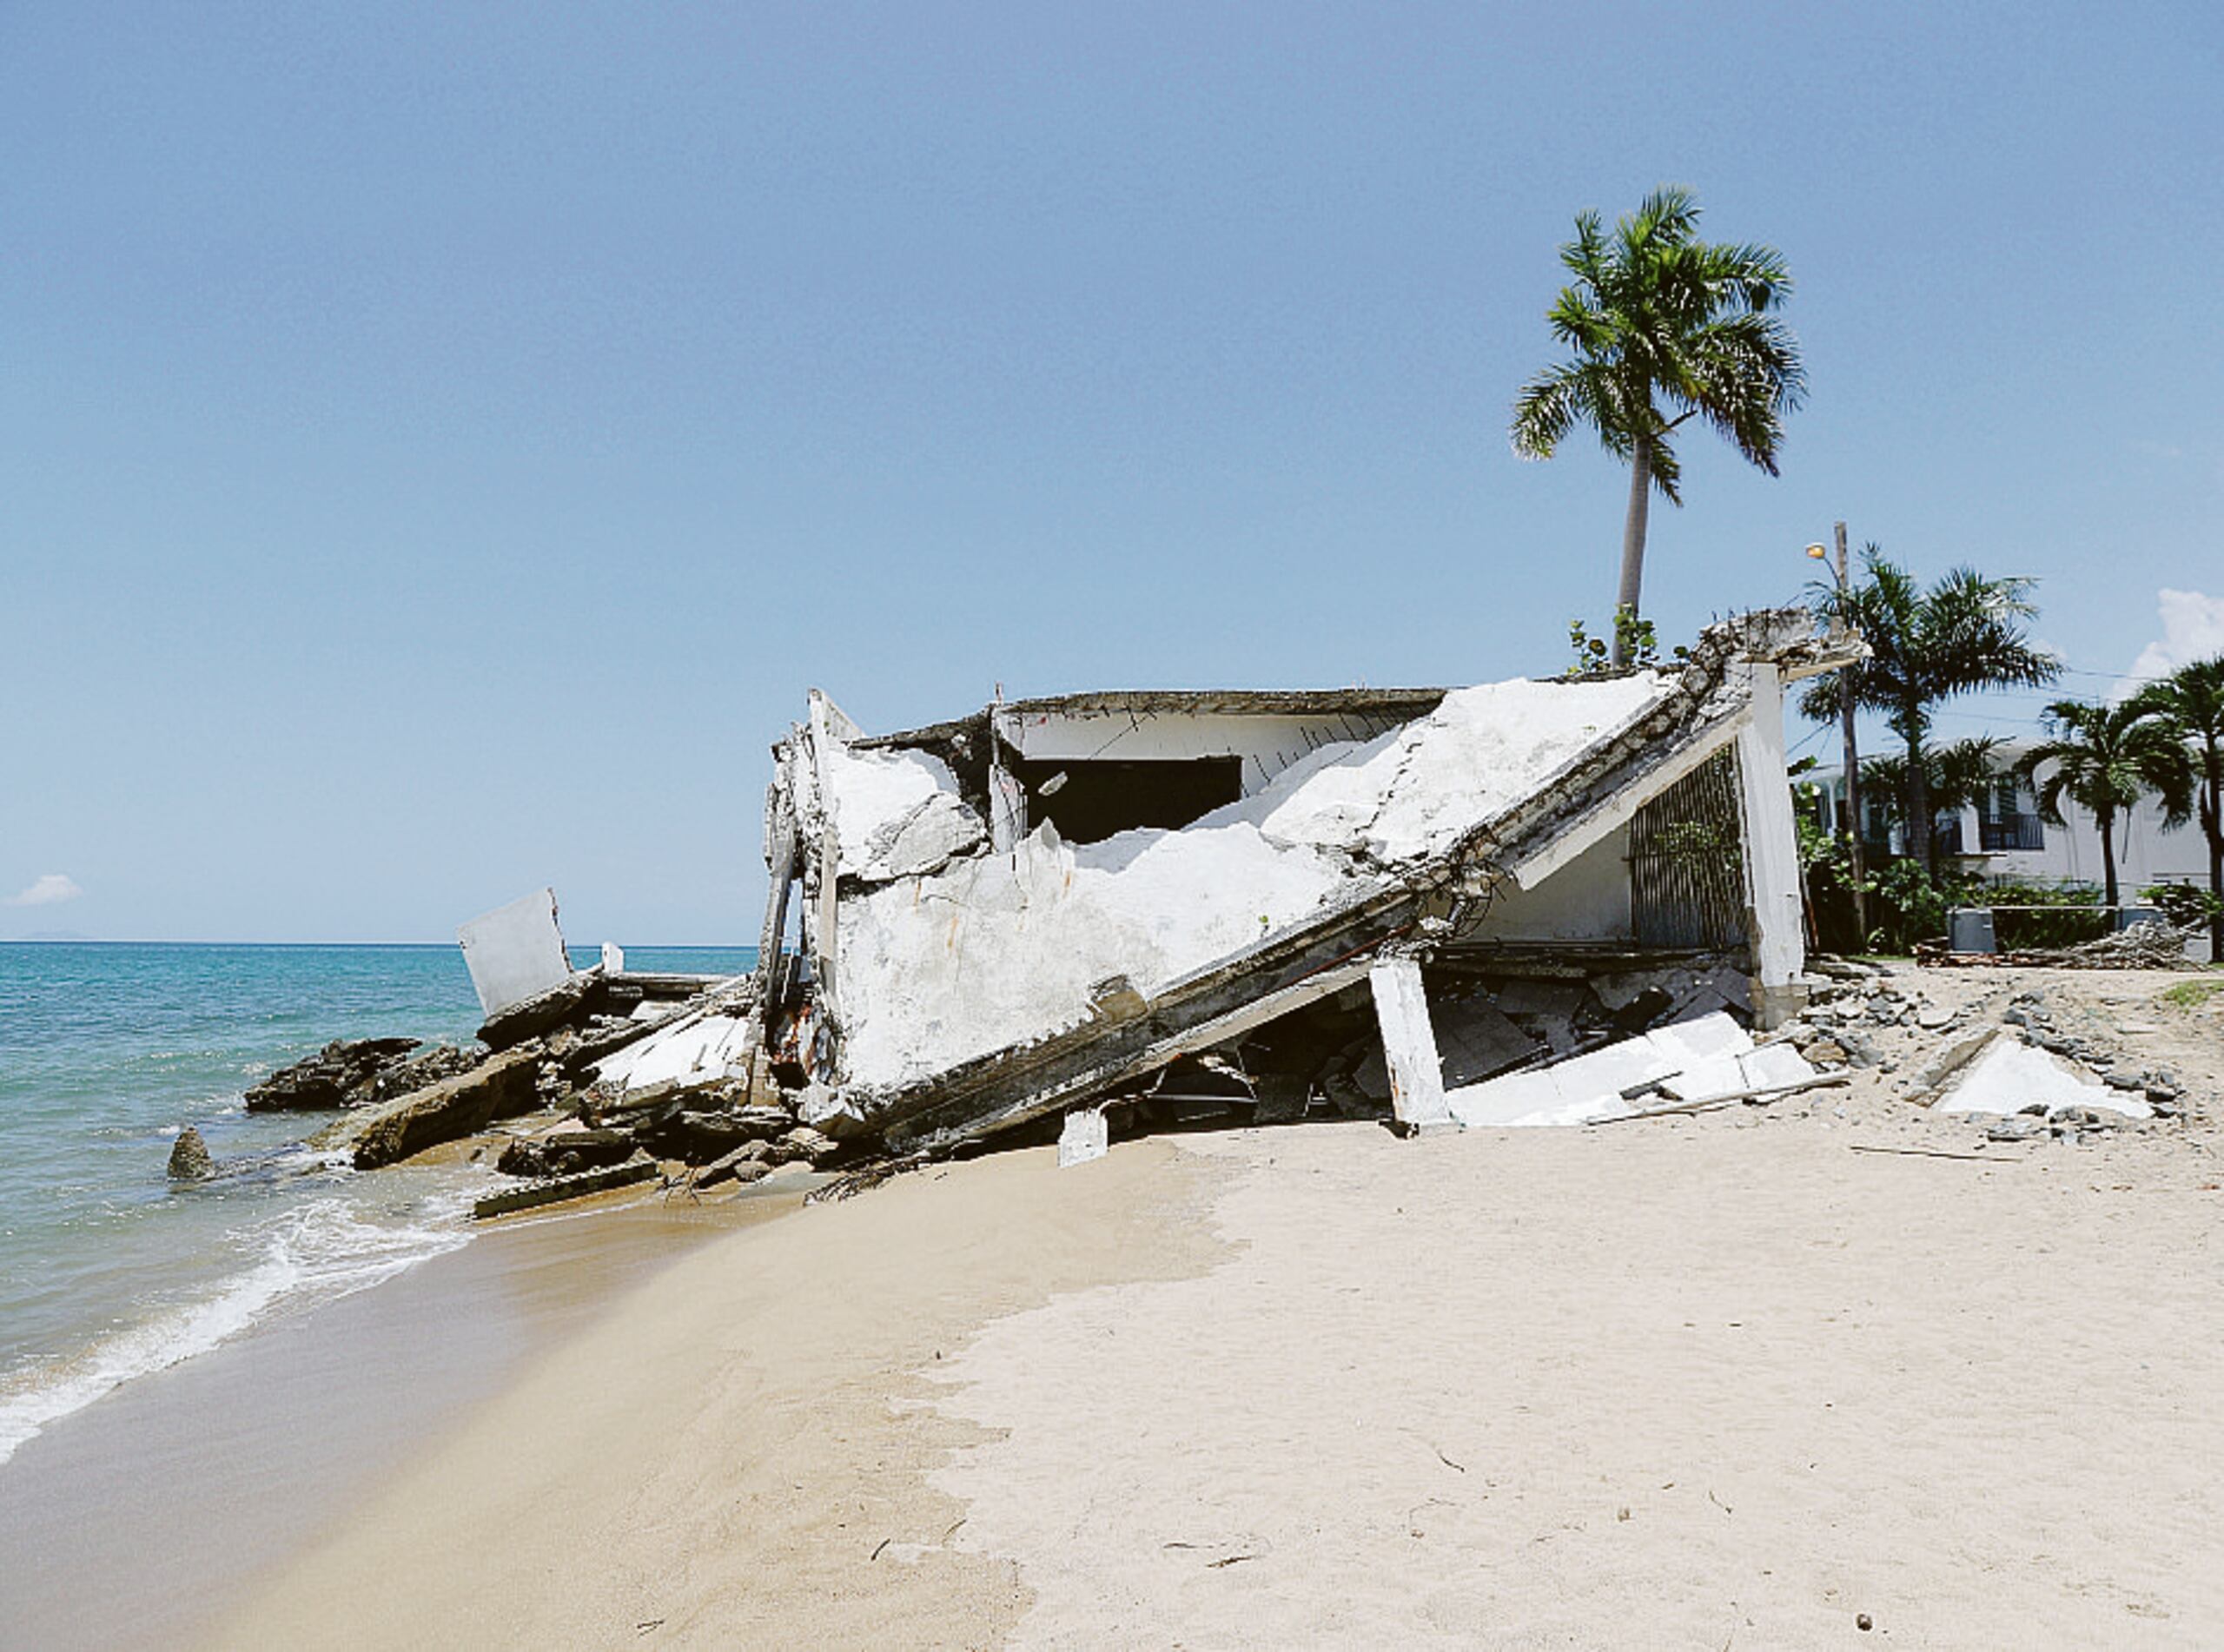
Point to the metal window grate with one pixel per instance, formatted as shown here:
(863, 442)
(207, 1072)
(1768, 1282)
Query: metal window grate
(1687, 862)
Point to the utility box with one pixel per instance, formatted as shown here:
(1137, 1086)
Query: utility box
(1969, 929)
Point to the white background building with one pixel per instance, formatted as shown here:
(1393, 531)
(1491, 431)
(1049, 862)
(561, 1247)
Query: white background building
(2005, 839)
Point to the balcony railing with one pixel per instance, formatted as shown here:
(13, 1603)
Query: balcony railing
(2011, 831)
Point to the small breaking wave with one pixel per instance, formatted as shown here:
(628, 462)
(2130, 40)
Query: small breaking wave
(316, 1252)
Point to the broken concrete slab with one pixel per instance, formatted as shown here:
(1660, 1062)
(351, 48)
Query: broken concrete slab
(533, 1194)
(503, 1088)
(530, 1017)
(1709, 1053)
(704, 1047)
(515, 952)
(2012, 1077)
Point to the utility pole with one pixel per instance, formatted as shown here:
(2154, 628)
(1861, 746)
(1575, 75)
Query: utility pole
(1852, 760)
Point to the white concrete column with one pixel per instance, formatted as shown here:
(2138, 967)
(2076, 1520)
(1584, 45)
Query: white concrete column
(1771, 853)
(1409, 1044)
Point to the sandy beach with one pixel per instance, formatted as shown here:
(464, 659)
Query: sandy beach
(1722, 1380)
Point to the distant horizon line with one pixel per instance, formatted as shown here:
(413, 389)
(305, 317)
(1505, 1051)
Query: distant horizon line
(101, 941)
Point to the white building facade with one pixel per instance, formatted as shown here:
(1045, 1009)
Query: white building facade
(2004, 839)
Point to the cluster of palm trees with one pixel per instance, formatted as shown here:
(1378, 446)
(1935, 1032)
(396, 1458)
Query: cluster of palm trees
(2165, 741)
(1663, 327)
(1966, 633)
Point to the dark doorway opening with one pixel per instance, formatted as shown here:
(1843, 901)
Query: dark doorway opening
(1095, 799)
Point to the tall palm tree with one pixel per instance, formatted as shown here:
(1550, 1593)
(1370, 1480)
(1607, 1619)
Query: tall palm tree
(1663, 326)
(1926, 646)
(2193, 698)
(2106, 758)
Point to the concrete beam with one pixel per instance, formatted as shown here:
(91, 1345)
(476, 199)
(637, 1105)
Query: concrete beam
(1409, 1044)
(1772, 841)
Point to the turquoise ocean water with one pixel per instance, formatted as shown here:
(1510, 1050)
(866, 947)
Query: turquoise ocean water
(108, 1272)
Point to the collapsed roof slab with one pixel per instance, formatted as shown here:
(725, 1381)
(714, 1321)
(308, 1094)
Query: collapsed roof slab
(974, 996)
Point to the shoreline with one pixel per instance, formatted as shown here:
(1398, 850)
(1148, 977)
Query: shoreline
(136, 1520)
(744, 1441)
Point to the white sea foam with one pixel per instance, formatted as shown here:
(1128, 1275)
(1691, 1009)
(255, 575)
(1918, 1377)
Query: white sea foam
(316, 1252)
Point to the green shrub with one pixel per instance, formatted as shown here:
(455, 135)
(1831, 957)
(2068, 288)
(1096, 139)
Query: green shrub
(2186, 905)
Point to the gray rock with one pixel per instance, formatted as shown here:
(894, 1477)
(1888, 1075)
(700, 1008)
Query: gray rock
(1859, 1050)
(191, 1160)
(2018, 1128)
(1932, 1017)
(344, 1073)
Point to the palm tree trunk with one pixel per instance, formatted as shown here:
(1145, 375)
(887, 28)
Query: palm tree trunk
(2106, 820)
(1919, 808)
(2212, 821)
(1632, 548)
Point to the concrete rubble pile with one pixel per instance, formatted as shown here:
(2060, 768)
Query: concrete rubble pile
(2154, 944)
(2016, 1067)
(595, 1078)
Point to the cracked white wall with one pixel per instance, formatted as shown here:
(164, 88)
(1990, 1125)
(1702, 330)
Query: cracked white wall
(991, 950)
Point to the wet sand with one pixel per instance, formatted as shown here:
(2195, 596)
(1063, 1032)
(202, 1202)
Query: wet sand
(132, 1523)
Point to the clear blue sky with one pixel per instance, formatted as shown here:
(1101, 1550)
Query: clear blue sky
(440, 445)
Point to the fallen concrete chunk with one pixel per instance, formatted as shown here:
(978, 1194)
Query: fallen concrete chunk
(698, 1049)
(811, 1144)
(565, 1152)
(1596, 1084)
(2011, 1077)
(501, 1088)
(557, 1188)
(545, 1011)
(1083, 1137)
(748, 1164)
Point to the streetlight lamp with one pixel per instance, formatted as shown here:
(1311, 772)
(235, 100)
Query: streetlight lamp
(1839, 626)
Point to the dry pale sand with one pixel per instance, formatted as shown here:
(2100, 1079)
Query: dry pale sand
(1720, 1381)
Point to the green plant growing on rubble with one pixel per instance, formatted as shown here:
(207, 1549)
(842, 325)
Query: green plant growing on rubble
(1636, 644)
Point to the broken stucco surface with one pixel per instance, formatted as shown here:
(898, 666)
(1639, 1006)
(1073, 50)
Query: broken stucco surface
(970, 953)
(897, 813)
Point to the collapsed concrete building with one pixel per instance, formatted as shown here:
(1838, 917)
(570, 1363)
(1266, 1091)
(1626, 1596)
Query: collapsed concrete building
(1419, 900)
